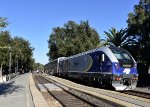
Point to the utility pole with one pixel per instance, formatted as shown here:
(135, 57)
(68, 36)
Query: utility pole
(10, 63)
(17, 65)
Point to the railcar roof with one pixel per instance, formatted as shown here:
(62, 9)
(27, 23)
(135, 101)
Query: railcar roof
(106, 49)
(87, 52)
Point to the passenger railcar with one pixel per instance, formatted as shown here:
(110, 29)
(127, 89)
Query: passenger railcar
(106, 65)
(53, 68)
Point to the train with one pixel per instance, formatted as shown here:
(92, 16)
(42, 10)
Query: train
(107, 65)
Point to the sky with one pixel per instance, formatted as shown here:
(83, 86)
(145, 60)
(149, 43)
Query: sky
(34, 19)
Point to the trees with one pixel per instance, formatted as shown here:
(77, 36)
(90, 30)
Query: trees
(135, 38)
(3, 22)
(117, 38)
(72, 39)
(5, 40)
(22, 52)
(19, 47)
(38, 67)
(139, 27)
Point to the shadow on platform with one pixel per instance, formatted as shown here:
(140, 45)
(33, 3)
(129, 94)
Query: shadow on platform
(8, 88)
(144, 82)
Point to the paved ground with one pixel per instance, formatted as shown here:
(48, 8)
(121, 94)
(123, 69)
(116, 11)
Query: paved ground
(16, 92)
(143, 88)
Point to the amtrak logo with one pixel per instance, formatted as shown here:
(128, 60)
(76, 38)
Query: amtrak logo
(126, 70)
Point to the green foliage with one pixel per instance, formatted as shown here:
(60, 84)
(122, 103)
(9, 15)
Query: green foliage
(139, 28)
(72, 39)
(118, 38)
(22, 51)
(5, 40)
(38, 66)
(3, 22)
(19, 47)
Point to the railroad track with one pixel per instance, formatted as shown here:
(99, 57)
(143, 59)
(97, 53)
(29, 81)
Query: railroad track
(65, 98)
(48, 97)
(121, 99)
(138, 93)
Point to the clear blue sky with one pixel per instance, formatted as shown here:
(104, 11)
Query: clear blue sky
(34, 19)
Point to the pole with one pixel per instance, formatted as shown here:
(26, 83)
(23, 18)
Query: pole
(9, 64)
(17, 66)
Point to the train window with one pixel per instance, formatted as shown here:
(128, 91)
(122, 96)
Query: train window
(121, 55)
(118, 56)
(126, 56)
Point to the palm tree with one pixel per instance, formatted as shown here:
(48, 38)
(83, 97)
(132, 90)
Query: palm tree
(117, 38)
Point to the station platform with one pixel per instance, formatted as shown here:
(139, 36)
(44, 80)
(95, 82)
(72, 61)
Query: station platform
(21, 92)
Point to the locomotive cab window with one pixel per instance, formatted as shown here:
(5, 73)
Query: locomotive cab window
(124, 58)
(122, 55)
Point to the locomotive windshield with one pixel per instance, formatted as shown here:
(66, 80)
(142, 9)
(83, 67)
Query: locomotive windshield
(123, 57)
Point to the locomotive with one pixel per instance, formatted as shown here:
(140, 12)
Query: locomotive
(106, 65)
